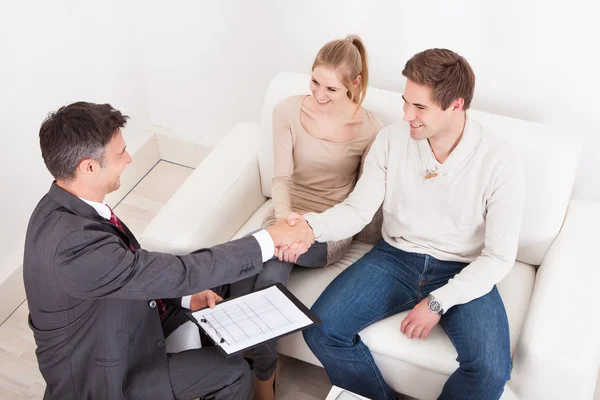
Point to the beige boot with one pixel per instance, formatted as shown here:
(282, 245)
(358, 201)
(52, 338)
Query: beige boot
(265, 390)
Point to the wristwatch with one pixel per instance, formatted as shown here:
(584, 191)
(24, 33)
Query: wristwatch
(434, 305)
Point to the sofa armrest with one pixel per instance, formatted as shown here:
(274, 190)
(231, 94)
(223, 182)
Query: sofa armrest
(558, 353)
(216, 199)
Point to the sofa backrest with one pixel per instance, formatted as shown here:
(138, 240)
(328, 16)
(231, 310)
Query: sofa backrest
(550, 157)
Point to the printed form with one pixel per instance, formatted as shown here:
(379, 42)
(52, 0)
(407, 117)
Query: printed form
(248, 320)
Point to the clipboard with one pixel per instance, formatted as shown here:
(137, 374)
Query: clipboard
(241, 323)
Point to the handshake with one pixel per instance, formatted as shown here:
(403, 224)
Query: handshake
(292, 237)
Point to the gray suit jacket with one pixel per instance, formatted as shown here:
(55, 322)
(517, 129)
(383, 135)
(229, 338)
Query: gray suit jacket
(98, 335)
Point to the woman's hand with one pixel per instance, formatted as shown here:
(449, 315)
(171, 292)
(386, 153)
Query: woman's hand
(295, 250)
(291, 253)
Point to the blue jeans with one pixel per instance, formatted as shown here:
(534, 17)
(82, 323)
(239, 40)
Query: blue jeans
(387, 281)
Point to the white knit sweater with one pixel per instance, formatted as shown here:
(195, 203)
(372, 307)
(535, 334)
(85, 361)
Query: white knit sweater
(471, 212)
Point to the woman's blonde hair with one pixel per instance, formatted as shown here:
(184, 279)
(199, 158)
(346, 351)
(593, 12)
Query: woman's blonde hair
(347, 56)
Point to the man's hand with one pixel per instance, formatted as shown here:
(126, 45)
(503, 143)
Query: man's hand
(203, 299)
(420, 321)
(285, 236)
(291, 253)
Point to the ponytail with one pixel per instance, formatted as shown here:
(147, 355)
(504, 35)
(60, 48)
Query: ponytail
(360, 92)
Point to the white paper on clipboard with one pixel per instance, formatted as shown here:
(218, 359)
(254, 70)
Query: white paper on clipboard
(246, 321)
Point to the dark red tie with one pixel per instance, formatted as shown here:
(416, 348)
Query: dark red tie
(115, 221)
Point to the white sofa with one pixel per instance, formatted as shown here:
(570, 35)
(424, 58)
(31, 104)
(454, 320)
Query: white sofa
(549, 295)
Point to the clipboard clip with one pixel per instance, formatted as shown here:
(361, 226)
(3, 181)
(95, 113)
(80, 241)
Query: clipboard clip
(222, 339)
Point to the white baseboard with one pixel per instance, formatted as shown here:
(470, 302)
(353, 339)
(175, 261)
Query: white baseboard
(12, 294)
(143, 160)
(181, 148)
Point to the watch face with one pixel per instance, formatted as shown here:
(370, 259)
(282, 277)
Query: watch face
(435, 306)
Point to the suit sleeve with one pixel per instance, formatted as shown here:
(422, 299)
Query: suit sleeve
(176, 302)
(94, 264)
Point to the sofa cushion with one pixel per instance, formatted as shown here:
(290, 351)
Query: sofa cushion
(384, 338)
(550, 169)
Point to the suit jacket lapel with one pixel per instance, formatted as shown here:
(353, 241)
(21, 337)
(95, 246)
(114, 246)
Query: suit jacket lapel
(84, 210)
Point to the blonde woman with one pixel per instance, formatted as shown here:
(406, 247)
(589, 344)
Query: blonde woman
(320, 141)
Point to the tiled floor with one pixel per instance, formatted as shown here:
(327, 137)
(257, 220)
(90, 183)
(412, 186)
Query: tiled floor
(145, 201)
(19, 376)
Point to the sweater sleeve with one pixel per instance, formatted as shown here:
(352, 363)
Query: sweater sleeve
(503, 224)
(283, 162)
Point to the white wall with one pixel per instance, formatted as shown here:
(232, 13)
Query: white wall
(206, 62)
(54, 53)
(199, 67)
(208, 65)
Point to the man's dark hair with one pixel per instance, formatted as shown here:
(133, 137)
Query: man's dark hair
(449, 76)
(75, 132)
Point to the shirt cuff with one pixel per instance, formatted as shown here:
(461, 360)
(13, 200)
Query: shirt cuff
(267, 247)
(185, 301)
(446, 297)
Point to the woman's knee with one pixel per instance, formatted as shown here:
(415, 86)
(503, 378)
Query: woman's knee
(315, 257)
(274, 271)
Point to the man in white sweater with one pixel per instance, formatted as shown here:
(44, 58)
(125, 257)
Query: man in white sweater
(453, 195)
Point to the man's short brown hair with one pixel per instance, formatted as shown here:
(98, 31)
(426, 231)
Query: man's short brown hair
(75, 132)
(448, 74)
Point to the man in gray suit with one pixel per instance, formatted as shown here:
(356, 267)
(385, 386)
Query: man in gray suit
(94, 294)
